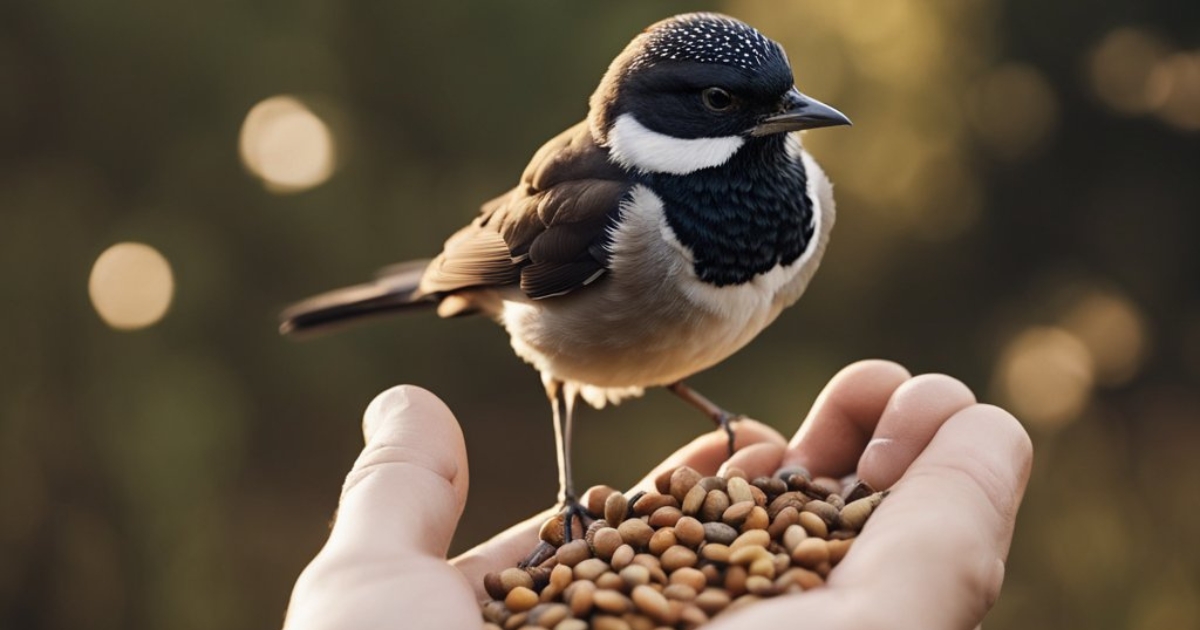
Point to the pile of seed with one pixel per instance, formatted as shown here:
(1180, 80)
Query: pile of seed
(676, 558)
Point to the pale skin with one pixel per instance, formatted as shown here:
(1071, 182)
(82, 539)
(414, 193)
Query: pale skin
(931, 557)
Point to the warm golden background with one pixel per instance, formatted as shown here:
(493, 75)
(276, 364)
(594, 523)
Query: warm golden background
(1019, 207)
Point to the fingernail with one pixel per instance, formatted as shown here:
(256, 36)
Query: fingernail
(388, 404)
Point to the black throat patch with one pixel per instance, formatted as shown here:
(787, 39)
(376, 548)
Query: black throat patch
(742, 218)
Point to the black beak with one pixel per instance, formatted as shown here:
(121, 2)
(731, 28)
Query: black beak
(797, 112)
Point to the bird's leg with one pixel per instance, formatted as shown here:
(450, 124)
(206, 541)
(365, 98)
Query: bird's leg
(562, 403)
(722, 418)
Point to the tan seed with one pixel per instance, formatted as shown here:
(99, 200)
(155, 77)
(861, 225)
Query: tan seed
(590, 569)
(814, 525)
(856, 513)
(679, 592)
(662, 481)
(552, 530)
(573, 553)
(548, 615)
(581, 598)
(788, 499)
(650, 602)
(838, 550)
(635, 575)
(516, 621)
(622, 557)
(756, 537)
(595, 497)
(760, 497)
(561, 576)
(712, 600)
(715, 552)
(733, 472)
(747, 553)
(692, 616)
(743, 601)
(689, 531)
(792, 537)
(615, 508)
(513, 578)
(605, 542)
(520, 599)
(738, 490)
(677, 557)
(785, 518)
(810, 553)
(571, 624)
(495, 612)
(802, 577)
(826, 511)
(693, 500)
(610, 580)
(763, 566)
(761, 586)
(609, 622)
(712, 483)
(735, 580)
(611, 601)
(756, 519)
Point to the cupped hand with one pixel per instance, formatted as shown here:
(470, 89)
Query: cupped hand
(932, 555)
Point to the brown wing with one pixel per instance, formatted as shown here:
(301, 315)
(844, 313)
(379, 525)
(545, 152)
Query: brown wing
(548, 234)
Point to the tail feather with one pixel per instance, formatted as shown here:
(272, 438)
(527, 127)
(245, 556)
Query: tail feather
(394, 290)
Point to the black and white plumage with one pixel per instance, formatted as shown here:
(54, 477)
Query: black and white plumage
(648, 242)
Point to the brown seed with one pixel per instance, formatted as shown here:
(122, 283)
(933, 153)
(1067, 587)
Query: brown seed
(573, 553)
(622, 557)
(805, 578)
(560, 577)
(690, 577)
(756, 519)
(516, 621)
(785, 518)
(580, 599)
(596, 526)
(719, 533)
(605, 542)
(811, 552)
(856, 513)
(665, 516)
(735, 580)
(649, 503)
(548, 615)
(572, 624)
(513, 577)
(540, 575)
(715, 552)
(650, 602)
(594, 499)
(552, 530)
(609, 622)
(836, 501)
(615, 508)
(712, 483)
(677, 557)
(838, 550)
(858, 490)
(520, 599)
(714, 506)
(494, 587)
(662, 481)
(771, 486)
(787, 472)
(787, 499)
(693, 500)
(736, 513)
(635, 575)
(635, 532)
(689, 531)
(679, 592)
(814, 525)
(827, 486)
(712, 600)
(682, 481)
(692, 616)
(662, 540)
(712, 574)
(738, 489)
(590, 569)
(495, 611)
(756, 537)
(826, 511)
(611, 601)
(792, 537)
(610, 580)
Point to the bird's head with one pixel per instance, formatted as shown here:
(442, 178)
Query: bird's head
(692, 90)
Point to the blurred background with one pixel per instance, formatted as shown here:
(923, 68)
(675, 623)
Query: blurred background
(1018, 207)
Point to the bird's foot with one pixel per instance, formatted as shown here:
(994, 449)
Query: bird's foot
(722, 418)
(570, 513)
(725, 421)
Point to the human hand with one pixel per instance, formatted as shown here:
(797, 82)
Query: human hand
(938, 560)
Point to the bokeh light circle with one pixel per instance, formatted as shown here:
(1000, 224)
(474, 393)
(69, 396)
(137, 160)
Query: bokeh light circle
(286, 145)
(131, 286)
(1046, 376)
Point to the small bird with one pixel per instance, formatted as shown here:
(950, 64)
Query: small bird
(646, 243)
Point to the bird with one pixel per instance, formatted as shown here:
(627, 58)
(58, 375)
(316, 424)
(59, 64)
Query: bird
(644, 244)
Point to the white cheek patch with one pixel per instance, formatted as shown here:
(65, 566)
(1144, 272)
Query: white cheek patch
(636, 147)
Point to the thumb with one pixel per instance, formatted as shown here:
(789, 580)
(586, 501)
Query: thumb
(407, 489)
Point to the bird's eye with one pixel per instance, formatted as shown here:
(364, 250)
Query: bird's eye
(717, 99)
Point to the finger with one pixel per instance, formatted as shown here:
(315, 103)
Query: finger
(706, 453)
(915, 412)
(843, 418)
(756, 460)
(935, 548)
(408, 487)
